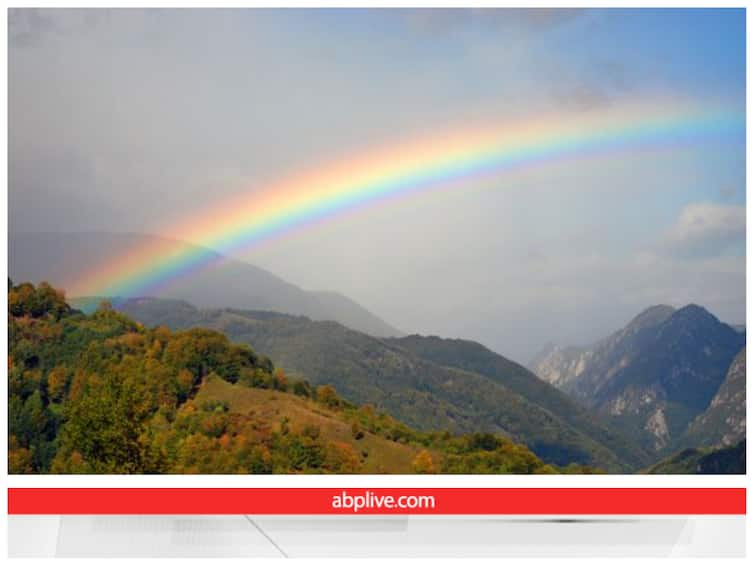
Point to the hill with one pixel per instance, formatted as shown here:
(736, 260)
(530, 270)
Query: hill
(654, 376)
(61, 258)
(419, 391)
(473, 357)
(101, 393)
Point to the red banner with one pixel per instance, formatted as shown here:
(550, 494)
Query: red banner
(536, 501)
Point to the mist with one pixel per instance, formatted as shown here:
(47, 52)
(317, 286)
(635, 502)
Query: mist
(127, 120)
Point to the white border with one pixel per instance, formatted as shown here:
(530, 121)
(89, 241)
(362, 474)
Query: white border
(370, 480)
(362, 480)
(377, 481)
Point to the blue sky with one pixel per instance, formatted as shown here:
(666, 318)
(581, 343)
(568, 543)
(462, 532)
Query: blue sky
(110, 108)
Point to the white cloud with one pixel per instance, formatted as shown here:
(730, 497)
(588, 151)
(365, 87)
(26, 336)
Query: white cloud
(706, 230)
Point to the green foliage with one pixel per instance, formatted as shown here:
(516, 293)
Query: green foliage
(101, 393)
(426, 382)
(302, 388)
(90, 394)
(104, 426)
(564, 433)
(725, 460)
(327, 395)
(25, 300)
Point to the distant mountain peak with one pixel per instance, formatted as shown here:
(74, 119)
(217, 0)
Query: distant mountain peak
(651, 316)
(696, 317)
(693, 310)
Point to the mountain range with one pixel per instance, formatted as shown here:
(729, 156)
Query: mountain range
(63, 257)
(655, 376)
(669, 386)
(427, 382)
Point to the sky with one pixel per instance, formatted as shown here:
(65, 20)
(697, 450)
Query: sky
(129, 120)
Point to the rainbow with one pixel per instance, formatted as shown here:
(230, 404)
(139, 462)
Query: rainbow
(251, 218)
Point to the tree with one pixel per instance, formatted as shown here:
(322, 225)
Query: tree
(185, 383)
(341, 458)
(328, 396)
(56, 382)
(280, 382)
(302, 388)
(105, 426)
(19, 458)
(22, 300)
(51, 301)
(423, 463)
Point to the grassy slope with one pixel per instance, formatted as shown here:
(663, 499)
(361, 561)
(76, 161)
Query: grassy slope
(382, 455)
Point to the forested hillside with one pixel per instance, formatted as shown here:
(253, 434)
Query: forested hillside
(474, 357)
(421, 392)
(726, 460)
(101, 393)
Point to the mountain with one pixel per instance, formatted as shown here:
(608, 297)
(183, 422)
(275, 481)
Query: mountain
(102, 394)
(62, 258)
(471, 356)
(425, 394)
(724, 421)
(727, 460)
(567, 368)
(654, 376)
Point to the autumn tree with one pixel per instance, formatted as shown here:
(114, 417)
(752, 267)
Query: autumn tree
(105, 427)
(57, 382)
(280, 382)
(328, 396)
(19, 458)
(423, 463)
